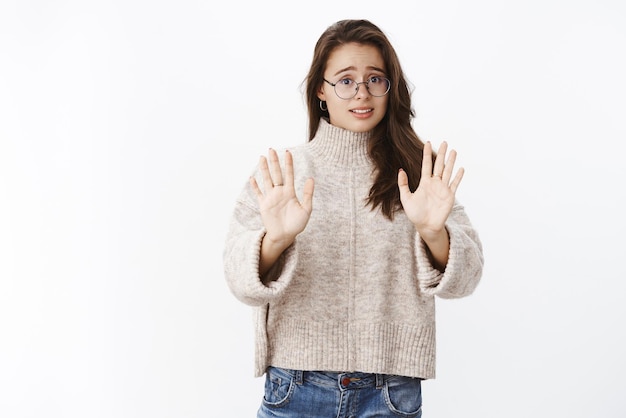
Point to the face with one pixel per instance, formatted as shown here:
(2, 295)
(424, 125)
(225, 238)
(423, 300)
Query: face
(360, 63)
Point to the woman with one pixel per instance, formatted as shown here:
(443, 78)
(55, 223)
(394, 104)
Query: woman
(342, 243)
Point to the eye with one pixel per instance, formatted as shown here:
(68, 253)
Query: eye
(345, 82)
(375, 80)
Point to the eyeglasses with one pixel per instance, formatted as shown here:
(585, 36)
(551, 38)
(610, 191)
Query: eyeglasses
(346, 88)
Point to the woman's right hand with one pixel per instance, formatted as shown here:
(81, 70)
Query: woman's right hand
(283, 215)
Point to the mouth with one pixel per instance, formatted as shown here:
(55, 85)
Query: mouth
(362, 111)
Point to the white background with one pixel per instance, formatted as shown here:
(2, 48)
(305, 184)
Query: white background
(128, 127)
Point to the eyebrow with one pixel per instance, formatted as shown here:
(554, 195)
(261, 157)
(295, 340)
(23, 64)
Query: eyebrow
(352, 68)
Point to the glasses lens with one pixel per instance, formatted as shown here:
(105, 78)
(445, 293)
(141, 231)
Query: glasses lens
(378, 86)
(345, 88)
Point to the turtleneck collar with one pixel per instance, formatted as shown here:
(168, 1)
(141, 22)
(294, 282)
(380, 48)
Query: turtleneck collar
(340, 146)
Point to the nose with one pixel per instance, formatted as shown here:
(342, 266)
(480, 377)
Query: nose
(362, 92)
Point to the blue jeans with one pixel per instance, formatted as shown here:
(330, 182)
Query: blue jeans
(302, 394)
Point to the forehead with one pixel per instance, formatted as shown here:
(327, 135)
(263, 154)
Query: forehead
(354, 57)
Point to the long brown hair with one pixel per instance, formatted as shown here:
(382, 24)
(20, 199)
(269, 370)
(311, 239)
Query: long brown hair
(394, 144)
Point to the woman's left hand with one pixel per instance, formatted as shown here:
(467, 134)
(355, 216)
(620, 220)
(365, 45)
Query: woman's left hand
(430, 204)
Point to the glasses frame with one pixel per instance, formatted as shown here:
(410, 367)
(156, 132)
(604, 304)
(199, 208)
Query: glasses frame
(356, 90)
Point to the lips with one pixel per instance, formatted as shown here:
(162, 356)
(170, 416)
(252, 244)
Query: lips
(362, 111)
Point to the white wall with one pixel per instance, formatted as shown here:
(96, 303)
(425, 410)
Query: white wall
(128, 127)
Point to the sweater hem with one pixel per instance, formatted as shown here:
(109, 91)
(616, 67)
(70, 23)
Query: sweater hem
(325, 346)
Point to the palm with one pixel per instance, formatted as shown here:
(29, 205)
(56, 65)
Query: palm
(281, 212)
(429, 206)
(283, 215)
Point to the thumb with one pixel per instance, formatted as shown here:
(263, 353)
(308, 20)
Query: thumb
(403, 183)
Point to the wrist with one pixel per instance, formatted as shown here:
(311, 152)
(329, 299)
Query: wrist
(276, 244)
(433, 236)
(437, 247)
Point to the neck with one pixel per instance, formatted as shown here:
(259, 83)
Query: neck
(340, 146)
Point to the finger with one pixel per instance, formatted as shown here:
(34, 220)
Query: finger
(457, 180)
(403, 183)
(288, 177)
(275, 170)
(427, 160)
(440, 159)
(449, 167)
(265, 173)
(307, 194)
(255, 187)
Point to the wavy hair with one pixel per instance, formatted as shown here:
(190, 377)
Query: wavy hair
(394, 143)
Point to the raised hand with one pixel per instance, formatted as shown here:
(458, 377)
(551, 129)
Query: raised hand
(429, 206)
(283, 215)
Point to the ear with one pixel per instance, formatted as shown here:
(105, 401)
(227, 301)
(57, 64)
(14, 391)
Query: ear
(320, 93)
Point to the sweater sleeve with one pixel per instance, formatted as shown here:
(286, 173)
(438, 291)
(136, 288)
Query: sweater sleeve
(241, 257)
(465, 261)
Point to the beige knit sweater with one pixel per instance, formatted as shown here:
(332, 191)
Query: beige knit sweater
(355, 291)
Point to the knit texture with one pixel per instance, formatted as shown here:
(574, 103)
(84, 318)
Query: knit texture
(355, 291)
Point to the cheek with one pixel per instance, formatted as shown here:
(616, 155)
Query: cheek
(385, 103)
(334, 103)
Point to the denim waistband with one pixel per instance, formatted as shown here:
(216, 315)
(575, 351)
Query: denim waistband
(347, 380)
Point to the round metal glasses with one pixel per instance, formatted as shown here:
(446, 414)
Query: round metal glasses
(347, 88)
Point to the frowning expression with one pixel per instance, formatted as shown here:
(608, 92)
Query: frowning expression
(359, 63)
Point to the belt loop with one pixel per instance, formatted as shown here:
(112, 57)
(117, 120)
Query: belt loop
(299, 377)
(380, 381)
